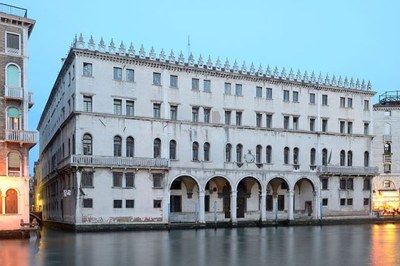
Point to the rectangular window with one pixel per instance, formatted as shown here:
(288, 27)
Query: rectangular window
(87, 179)
(349, 102)
(156, 78)
(350, 183)
(366, 184)
(207, 113)
(156, 110)
(174, 112)
(117, 73)
(387, 168)
(87, 69)
(117, 204)
(281, 202)
(13, 43)
(268, 121)
(195, 84)
(312, 98)
(228, 88)
(312, 124)
(269, 203)
(130, 75)
(228, 117)
(156, 204)
(268, 94)
(129, 180)
(173, 81)
(366, 105)
(366, 128)
(238, 118)
(324, 125)
(342, 102)
(366, 201)
(349, 127)
(324, 182)
(117, 107)
(207, 85)
(286, 122)
(129, 204)
(342, 202)
(117, 179)
(130, 108)
(238, 89)
(258, 120)
(342, 184)
(259, 92)
(87, 203)
(207, 203)
(195, 114)
(285, 95)
(296, 96)
(324, 202)
(87, 103)
(350, 201)
(157, 180)
(295, 123)
(342, 125)
(324, 99)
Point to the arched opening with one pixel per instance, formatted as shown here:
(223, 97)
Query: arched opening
(13, 118)
(130, 147)
(11, 201)
(184, 200)
(13, 76)
(172, 149)
(157, 148)
(117, 146)
(304, 198)
(276, 204)
(218, 199)
(248, 199)
(87, 144)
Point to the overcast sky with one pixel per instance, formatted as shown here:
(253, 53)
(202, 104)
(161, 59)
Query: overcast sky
(353, 38)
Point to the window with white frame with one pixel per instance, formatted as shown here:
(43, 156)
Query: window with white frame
(129, 180)
(366, 105)
(238, 89)
(87, 69)
(130, 75)
(268, 121)
(258, 119)
(207, 85)
(173, 112)
(13, 43)
(285, 95)
(296, 96)
(117, 179)
(195, 84)
(173, 81)
(342, 102)
(349, 102)
(312, 98)
(157, 180)
(130, 108)
(268, 95)
(259, 92)
(156, 79)
(238, 118)
(324, 99)
(117, 107)
(195, 114)
(156, 110)
(87, 103)
(207, 114)
(87, 179)
(117, 73)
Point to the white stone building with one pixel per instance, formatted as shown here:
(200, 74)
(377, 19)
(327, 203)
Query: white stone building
(386, 185)
(134, 137)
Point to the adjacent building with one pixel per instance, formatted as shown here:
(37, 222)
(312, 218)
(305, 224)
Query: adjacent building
(15, 101)
(386, 197)
(130, 137)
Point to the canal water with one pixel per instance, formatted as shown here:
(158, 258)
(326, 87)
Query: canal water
(300, 245)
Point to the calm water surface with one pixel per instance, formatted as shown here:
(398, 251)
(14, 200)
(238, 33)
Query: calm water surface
(308, 245)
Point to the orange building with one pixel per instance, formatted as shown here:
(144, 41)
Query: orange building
(15, 102)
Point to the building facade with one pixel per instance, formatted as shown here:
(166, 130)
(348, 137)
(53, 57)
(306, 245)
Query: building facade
(131, 137)
(386, 197)
(15, 101)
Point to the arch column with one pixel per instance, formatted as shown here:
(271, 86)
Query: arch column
(316, 205)
(290, 196)
(202, 215)
(275, 205)
(166, 202)
(3, 204)
(233, 206)
(263, 205)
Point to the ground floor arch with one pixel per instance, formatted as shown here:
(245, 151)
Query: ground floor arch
(305, 199)
(278, 199)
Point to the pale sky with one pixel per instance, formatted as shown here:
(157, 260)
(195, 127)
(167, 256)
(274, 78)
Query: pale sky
(353, 38)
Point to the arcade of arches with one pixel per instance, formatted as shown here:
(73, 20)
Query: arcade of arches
(9, 202)
(222, 200)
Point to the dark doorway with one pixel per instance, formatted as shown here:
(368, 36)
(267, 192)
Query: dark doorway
(175, 203)
(241, 200)
(227, 200)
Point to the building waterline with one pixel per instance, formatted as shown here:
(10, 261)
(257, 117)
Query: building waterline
(300, 245)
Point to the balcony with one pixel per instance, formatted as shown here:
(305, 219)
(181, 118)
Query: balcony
(16, 93)
(106, 161)
(21, 136)
(347, 170)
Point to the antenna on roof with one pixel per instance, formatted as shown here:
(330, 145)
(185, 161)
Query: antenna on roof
(188, 45)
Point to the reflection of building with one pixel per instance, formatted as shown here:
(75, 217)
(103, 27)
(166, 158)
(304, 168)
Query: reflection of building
(15, 101)
(130, 137)
(386, 143)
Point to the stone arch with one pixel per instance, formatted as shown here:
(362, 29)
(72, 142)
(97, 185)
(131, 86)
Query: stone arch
(248, 197)
(218, 191)
(11, 202)
(304, 197)
(276, 203)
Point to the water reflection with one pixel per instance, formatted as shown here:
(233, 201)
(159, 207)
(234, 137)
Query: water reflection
(309, 245)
